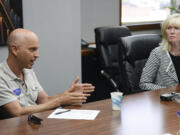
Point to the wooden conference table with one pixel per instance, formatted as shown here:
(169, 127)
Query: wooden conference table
(141, 114)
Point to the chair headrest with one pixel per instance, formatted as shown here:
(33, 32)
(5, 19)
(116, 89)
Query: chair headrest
(110, 35)
(138, 47)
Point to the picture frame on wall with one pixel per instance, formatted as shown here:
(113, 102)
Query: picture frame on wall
(10, 18)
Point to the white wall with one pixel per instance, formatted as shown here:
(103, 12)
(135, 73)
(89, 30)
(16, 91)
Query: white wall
(57, 23)
(95, 13)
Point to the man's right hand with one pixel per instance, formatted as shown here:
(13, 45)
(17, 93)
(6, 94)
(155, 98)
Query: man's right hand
(68, 98)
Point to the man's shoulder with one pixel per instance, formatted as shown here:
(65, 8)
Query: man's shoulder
(2, 68)
(4, 77)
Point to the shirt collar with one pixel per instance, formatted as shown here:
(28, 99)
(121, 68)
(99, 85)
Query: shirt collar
(9, 72)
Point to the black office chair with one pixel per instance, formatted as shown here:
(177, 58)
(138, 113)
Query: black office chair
(137, 49)
(109, 50)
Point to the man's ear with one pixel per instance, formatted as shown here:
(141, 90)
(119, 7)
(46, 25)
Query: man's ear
(14, 49)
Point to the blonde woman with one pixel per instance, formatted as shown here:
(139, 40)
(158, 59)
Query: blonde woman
(162, 68)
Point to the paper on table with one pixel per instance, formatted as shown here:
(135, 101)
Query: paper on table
(75, 114)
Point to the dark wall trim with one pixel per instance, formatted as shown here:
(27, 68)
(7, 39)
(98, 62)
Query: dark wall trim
(141, 27)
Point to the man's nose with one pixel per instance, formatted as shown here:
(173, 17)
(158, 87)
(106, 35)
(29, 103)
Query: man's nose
(37, 54)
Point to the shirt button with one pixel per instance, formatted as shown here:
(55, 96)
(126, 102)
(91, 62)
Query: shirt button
(171, 70)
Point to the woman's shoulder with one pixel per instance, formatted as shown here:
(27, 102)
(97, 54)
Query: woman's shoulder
(159, 50)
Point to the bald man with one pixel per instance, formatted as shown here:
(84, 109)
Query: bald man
(20, 91)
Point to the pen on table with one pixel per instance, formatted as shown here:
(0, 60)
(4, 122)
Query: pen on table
(62, 112)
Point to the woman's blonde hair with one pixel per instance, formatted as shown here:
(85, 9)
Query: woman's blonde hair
(174, 20)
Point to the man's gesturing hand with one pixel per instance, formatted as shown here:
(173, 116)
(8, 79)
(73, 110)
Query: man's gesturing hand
(81, 88)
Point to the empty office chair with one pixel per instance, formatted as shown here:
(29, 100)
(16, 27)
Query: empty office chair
(137, 49)
(109, 50)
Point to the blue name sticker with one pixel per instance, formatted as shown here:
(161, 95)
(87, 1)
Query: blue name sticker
(178, 113)
(17, 91)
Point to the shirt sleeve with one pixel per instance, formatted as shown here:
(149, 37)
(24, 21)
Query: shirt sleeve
(6, 95)
(150, 71)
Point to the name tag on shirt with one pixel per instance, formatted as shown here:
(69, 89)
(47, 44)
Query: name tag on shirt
(178, 113)
(17, 92)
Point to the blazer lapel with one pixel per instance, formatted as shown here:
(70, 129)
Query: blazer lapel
(172, 72)
(171, 69)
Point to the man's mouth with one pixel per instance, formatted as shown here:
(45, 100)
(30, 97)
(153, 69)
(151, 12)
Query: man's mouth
(32, 61)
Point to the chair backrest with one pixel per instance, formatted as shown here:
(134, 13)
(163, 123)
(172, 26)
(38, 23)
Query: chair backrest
(107, 39)
(137, 49)
(108, 48)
